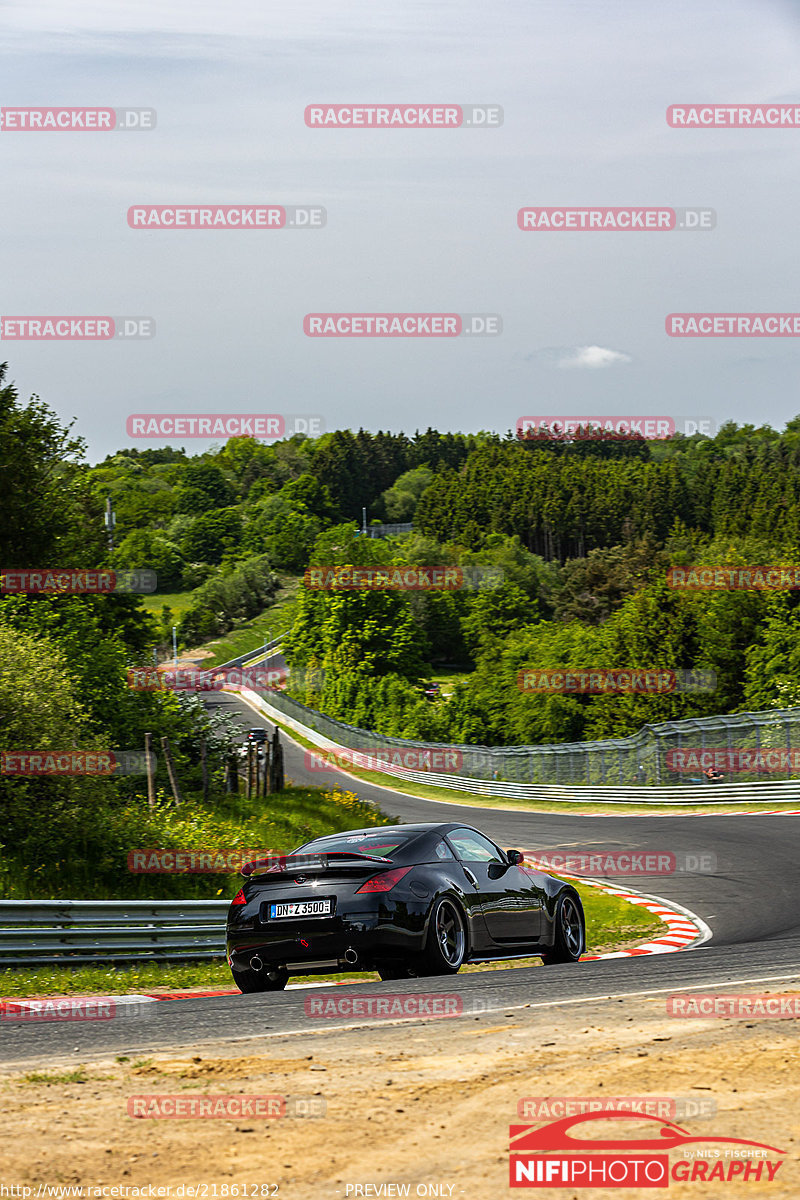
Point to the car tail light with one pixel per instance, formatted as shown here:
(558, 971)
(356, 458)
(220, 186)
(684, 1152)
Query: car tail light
(385, 881)
(239, 898)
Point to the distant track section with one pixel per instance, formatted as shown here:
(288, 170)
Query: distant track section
(770, 792)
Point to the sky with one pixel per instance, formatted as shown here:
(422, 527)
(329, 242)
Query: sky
(417, 220)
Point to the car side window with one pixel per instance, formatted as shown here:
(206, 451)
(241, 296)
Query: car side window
(443, 850)
(473, 847)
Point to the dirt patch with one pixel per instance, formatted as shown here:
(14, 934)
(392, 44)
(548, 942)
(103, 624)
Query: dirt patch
(419, 1104)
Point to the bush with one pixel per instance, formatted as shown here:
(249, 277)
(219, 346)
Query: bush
(222, 601)
(100, 869)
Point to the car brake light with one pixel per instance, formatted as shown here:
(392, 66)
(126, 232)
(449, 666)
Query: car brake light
(239, 898)
(385, 881)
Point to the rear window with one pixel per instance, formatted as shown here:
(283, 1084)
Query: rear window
(364, 843)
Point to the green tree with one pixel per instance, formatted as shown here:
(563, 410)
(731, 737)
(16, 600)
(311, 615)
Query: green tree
(150, 549)
(401, 499)
(213, 535)
(772, 661)
(47, 518)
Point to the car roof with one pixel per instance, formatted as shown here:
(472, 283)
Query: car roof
(440, 827)
(413, 834)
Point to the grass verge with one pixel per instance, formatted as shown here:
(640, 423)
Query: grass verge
(179, 602)
(611, 924)
(251, 634)
(274, 824)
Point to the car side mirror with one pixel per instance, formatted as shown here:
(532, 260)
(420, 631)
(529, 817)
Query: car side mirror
(515, 857)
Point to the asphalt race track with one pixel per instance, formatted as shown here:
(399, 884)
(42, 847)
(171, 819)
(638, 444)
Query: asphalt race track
(750, 900)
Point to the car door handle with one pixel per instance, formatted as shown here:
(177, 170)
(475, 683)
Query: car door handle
(470, 876)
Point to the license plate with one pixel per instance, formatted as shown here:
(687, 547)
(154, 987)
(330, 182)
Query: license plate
(301, 908)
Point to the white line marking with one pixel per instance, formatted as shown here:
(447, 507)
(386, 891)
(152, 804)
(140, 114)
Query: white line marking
(513, 1007)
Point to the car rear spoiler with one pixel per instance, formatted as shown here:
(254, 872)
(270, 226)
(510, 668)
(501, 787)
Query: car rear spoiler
(289, 864)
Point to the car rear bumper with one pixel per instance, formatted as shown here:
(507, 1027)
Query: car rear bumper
(341, 943)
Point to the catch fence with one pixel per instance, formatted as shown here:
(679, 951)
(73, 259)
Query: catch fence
(740, 747)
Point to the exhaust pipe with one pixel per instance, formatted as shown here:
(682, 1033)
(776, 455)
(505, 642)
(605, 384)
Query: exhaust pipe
(256, 964)
(350, 955)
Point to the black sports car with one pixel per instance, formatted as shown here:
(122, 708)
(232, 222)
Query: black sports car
(402, 900)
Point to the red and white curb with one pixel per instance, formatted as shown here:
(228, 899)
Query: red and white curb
(684, 928)
(734, 812)
(71, 1008)
(290, 987)
(99, 1008)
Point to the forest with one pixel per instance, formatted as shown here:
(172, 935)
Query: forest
(579, 530)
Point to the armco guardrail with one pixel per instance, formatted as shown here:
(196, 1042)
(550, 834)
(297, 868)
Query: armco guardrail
(72, 932)
(283, 709)
(251, 656)
(389, 530)
(655, 757)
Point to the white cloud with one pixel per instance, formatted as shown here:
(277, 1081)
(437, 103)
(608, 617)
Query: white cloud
(592, 357)
(589, 358)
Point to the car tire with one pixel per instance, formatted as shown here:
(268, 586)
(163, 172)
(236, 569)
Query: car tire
(446, 946)
(569, 942)
(260, 981)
